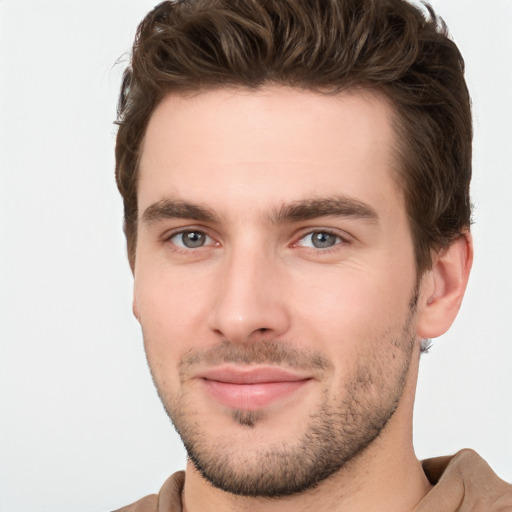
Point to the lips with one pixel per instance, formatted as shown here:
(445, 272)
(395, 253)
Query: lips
(251, 388)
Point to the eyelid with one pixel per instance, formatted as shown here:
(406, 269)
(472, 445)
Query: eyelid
(170, 232)
(169, 235)
(342, 235)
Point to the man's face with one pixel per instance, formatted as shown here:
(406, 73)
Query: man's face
(274, 280)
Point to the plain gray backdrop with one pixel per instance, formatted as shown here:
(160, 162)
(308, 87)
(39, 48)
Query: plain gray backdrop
(81, 427)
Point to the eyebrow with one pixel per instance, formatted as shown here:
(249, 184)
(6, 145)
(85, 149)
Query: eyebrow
(339, 206)
(174, 209)
(296, 211)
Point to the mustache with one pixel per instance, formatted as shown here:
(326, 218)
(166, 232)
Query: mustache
(269, 352)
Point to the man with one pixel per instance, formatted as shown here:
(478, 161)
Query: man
(295, 178)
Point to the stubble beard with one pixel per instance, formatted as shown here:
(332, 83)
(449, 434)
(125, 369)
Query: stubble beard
(338, 431)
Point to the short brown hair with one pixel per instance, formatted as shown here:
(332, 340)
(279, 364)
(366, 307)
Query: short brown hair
(325, 46)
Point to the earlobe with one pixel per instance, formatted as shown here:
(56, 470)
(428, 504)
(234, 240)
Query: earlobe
(443, 287)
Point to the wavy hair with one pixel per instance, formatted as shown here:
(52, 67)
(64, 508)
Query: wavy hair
(326, 46)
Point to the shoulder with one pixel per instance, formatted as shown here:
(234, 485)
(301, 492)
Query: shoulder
(464, 482)
(147, 504)
(167, 500)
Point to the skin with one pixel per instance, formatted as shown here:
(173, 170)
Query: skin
(256, 292)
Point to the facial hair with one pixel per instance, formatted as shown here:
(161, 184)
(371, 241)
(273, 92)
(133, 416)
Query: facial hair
(340, 428)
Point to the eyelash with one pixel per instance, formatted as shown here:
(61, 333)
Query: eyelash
(184, 249)
(340, 240)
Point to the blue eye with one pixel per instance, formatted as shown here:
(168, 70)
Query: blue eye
(320, 240)
(190, 239)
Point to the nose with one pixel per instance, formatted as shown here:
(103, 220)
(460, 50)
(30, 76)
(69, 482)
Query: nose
(251, 300)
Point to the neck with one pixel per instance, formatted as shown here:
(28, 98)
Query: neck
(385, 476)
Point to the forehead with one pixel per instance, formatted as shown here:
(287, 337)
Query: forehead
(273, 145)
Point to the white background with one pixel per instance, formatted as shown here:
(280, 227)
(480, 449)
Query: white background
(81, 427)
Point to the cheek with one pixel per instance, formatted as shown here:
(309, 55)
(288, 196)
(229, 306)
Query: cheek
(353, 304)
(167, 293)
(171, 306)
(359, 326)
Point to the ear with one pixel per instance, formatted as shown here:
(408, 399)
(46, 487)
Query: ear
(135, 309)
(443, 287)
